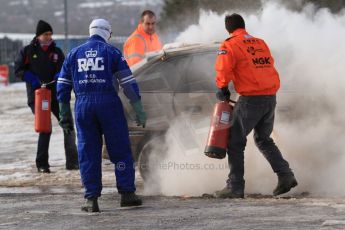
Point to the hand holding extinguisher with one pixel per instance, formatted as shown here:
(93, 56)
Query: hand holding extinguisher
(223, 94)
(32, 79)
(218, 136)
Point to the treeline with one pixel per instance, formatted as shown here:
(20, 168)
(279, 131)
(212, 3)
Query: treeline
(176, 15)
(21, 16)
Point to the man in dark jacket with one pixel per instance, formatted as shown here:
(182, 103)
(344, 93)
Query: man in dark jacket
(40, 63)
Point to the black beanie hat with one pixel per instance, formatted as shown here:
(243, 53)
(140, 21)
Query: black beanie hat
(233, 22)
(43, 27)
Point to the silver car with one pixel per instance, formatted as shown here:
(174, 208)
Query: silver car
(177, 82)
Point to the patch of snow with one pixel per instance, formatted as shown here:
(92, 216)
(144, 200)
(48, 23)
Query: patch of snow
(16, 3)
(12, 87)
(58, 13)
(333, 222)
(95, 4)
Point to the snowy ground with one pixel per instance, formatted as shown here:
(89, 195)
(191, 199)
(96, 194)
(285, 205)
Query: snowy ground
(18, 142)
(52, 201)
(61, 211)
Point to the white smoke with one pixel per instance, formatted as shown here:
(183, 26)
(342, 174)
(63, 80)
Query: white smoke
(184, 169)
(308, 49)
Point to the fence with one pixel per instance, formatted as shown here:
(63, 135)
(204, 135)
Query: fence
(10, 45)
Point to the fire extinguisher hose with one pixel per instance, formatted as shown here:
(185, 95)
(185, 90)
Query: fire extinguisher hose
(44, 85)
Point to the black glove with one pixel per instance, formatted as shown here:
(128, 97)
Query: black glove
(66, 119)
(223, 94)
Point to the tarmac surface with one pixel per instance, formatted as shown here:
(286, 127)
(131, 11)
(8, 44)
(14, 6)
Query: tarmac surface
(48, 210)
(52, 201)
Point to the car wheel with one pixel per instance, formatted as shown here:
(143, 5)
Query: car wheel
(150, 157)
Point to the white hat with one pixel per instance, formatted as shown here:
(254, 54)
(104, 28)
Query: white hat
(100, 27)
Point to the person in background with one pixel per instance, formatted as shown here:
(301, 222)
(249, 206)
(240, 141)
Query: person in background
(94, 71)
(247, 62)
(143, 40)
(40, 63)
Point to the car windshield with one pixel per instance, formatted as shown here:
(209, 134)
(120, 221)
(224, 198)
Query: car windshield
(192, 72)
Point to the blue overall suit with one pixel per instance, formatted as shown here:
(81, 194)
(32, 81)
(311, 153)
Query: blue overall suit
(94, 71)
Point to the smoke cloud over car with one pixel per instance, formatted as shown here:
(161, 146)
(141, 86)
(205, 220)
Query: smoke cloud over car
(308, 53)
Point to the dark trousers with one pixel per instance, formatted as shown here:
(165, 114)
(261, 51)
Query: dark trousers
(253, 112)
(44, 139)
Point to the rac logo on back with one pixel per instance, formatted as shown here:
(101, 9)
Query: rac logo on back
(91, 62)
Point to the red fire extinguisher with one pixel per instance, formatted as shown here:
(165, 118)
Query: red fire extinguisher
(218, 136)
(43, 110)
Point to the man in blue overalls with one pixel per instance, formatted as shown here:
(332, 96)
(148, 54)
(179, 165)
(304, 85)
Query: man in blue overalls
(94, 71)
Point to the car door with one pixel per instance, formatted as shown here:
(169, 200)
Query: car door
(157, 83)
(194, 98)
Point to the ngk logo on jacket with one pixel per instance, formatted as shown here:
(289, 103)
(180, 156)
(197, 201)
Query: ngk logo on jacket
(261, 61)
(248, 63)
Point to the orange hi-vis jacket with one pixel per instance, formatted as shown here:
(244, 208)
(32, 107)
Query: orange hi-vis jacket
(138, 44)
(248, 63)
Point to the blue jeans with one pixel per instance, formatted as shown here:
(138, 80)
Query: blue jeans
(253, 112)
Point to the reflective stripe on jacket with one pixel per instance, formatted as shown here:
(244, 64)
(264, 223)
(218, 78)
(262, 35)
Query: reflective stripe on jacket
(138, 44)
(96, 68)
(247, 61)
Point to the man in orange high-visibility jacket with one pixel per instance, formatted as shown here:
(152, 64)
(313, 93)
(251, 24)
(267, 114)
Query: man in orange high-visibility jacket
(143, 40)
(247, 62)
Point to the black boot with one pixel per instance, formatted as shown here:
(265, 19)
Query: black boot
(286, 181)
(130, 199)
(43, 170)
(228, 193)
(91, 205)
(74, 166)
